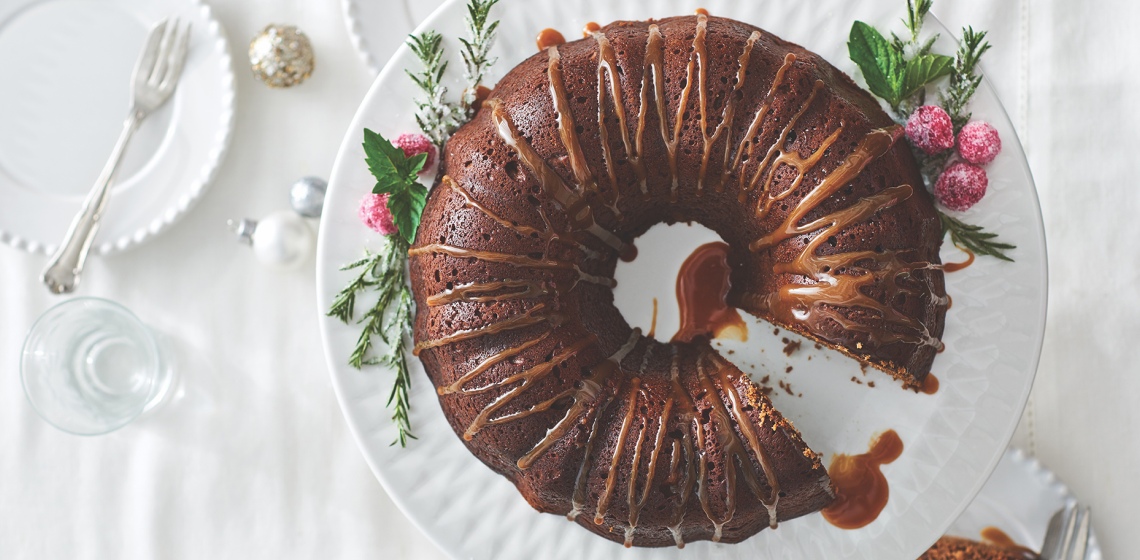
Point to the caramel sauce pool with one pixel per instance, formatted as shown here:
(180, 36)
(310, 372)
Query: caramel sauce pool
(702, 292)
(955, 267)
(930, 384)
(549, 38)
(997, 537)
(861, 490)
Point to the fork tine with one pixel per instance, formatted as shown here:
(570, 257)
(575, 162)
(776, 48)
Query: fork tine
(164, 53)
(177, 58)
(1081, 541)
(1069, 533)
(149, 54)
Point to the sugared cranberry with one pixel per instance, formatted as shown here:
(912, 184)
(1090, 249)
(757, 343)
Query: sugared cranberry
(961, 186)
(414, 144)
(375, 214)
(930, 129)
(978, 142)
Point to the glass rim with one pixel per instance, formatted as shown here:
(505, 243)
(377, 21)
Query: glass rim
(53, 312)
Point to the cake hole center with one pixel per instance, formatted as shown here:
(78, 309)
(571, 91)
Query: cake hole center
(675, 289)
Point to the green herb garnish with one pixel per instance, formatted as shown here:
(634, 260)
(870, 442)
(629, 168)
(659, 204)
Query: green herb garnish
(396, 176)
(889, 74)
(974, 238)
(964, 79)
(476, 58)
(435, 116)
(389, 318)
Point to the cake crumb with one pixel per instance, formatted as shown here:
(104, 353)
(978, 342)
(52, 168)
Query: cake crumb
(731, 352)
(775, 332)
(856, 380)
(787, 387)
(791, 347)
(788, 370)
(765, 379)
(870, 383)
(818, 346)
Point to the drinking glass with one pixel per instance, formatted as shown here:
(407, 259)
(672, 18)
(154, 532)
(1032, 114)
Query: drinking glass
(89, 366)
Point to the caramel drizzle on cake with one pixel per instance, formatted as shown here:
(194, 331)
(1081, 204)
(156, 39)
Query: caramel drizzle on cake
(742, 455)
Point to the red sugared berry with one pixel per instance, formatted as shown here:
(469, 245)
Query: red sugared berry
(414, 144)
(961, 186)
(929, 128)
(375, 214)
(978, 142)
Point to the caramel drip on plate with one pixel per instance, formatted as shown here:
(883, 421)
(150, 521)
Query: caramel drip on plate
(861, 490)
(702, 290)
(729, 114)
(955, 267)
(577, 209)
(997, 537)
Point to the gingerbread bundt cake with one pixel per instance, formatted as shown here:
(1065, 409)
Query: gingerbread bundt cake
(579, 150)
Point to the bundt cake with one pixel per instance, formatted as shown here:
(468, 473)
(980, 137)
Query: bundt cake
(578, 151)
(955, 548)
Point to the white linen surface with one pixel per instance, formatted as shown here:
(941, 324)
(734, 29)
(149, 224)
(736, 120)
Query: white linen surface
(253, 458)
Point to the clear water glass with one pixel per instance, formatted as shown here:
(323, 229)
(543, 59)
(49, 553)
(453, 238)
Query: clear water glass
(89, 366)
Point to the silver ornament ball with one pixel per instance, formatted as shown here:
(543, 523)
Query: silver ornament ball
(307, 196)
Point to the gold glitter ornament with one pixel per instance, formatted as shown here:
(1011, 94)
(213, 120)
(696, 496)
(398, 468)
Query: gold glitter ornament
(281, 56)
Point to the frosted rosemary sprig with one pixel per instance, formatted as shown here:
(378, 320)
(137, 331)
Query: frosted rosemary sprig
(385, 273)
(435, 116)
(974, 238)
(476, 57)
(964, 79)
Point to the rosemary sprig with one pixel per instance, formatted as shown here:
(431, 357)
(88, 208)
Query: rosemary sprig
(974, 238)
(476, 58)
(964, 79)
(389, 318)
(435, 116)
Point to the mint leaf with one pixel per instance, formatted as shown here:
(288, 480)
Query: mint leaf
(396, 176)
(407, 206)
(881, 62)
(922, 70)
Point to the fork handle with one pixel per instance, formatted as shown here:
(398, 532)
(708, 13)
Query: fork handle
(63, 270)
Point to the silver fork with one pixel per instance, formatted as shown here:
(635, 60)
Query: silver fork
(155, 76)
(1068, 535)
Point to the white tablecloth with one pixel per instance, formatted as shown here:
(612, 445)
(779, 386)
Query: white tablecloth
(253, 459)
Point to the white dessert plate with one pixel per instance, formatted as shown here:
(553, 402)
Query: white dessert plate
(1018, 499)
(952, 439)
(377, 27)
(66, 68)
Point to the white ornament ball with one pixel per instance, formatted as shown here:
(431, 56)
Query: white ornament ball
(283, 240)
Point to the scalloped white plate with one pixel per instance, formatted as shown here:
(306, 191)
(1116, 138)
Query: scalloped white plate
(1019, 498)
(953, 439)
(66, 74)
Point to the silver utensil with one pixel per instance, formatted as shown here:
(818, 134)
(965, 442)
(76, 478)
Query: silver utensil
(155, 76)
(1068, 535)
